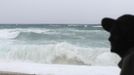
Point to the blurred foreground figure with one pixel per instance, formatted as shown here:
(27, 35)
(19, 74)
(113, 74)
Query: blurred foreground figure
(122, 40)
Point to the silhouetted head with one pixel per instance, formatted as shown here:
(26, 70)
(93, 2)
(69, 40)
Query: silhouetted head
(121, 33)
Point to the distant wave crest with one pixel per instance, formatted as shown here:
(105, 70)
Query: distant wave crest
(29, 36)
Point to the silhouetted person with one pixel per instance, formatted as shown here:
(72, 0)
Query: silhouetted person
(122, 40)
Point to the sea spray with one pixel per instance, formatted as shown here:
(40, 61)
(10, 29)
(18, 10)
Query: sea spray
(60, 53)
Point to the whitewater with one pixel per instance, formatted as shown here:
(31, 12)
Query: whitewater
(56, 49)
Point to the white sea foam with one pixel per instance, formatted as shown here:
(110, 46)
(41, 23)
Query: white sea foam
(12, 33)
(8, 33)
(60, 53)
(107, 58)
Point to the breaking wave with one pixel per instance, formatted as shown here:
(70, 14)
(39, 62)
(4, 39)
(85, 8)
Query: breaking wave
(16, 33)
(60, 53)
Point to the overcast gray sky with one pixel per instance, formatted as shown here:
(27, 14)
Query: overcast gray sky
(62, 11)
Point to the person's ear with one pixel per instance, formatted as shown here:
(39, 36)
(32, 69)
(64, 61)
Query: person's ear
(107, 23)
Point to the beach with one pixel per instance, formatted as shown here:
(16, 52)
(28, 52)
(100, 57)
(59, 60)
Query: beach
(18, 68)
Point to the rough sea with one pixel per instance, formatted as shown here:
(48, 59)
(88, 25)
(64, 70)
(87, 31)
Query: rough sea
(80, 44)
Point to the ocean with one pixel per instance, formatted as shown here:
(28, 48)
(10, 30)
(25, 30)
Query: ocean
(79, 44)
